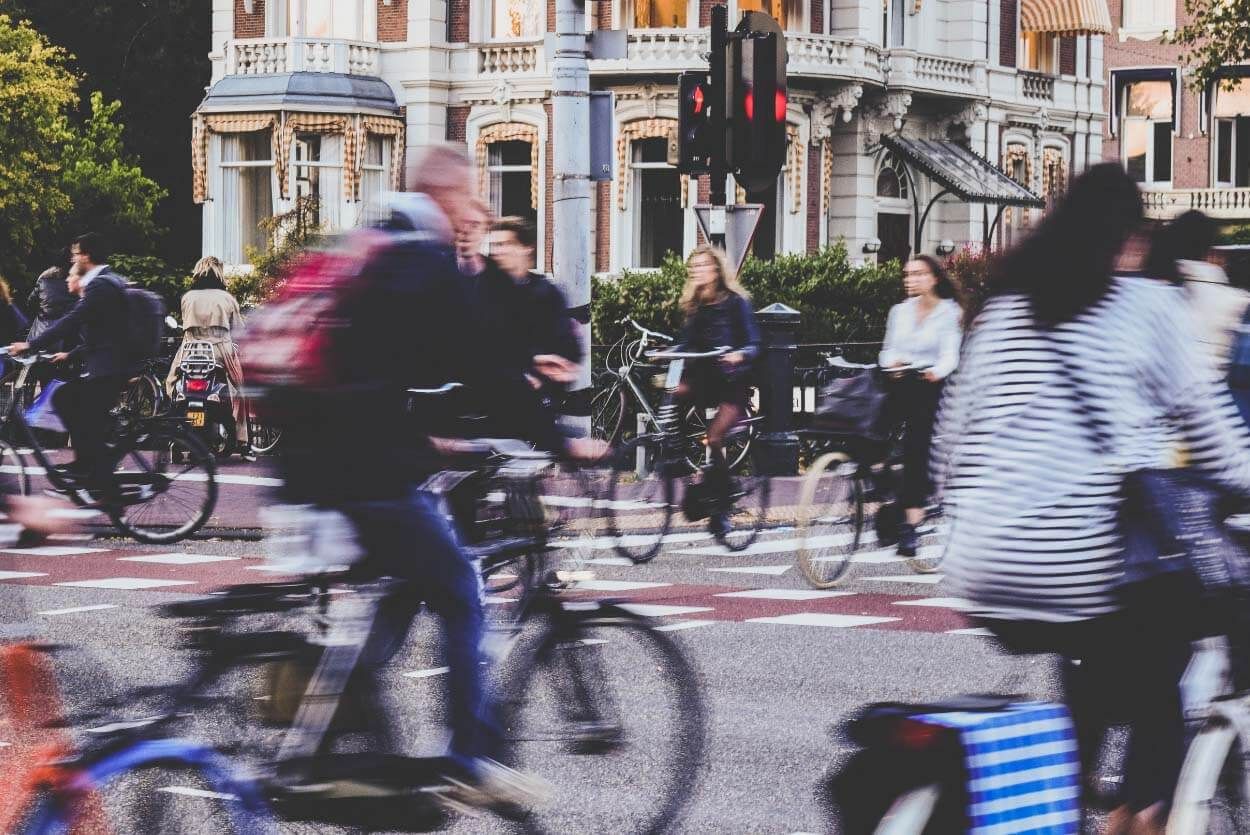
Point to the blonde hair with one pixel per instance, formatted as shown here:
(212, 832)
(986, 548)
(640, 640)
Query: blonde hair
(209, 265)
(6, 292)
(691, 298)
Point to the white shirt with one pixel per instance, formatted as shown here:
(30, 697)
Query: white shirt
(932, 343)
(91, 274)
(1217, 307)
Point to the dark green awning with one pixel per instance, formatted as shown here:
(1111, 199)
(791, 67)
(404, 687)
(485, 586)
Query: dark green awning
(962, 172)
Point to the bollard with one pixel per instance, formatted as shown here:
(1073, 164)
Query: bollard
(777, 446)
(640, 451)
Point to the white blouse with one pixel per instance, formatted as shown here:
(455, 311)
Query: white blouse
(933, 342)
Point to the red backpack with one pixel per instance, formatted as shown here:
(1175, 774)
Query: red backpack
(291, 343)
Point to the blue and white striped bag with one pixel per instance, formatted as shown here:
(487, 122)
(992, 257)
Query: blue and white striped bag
(1024, 775)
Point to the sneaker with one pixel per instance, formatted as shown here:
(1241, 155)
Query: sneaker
(718, 524)
(908, 540)
(491, 785)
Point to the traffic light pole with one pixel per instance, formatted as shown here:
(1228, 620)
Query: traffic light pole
(720, 104)
(570, 112)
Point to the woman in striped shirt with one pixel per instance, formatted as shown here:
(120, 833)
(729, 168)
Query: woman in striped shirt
(1069, 378)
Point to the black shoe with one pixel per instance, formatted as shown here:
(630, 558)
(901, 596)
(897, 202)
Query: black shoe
(718, 524)
(908, 540)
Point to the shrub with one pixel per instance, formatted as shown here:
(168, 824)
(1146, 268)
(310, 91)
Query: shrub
(153, 274)
(970, 270)
(838, 302)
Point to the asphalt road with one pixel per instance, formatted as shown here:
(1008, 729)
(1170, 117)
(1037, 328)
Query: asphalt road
(778, 668)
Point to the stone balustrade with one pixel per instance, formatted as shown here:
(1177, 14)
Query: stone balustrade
(1221, 203)
(509, 58)
(1036, 86)
(270, 56)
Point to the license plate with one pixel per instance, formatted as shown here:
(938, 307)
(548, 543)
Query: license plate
(196, 419)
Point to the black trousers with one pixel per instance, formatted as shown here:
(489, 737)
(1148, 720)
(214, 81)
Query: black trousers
(85, 406)
(913, 402)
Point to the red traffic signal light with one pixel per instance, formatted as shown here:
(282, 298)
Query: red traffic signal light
(693, 131)
(756, 81)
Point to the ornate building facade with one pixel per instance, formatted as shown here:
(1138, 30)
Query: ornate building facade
(327, 97)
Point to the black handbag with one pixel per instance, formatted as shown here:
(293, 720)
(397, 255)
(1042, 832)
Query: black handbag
(851, 405)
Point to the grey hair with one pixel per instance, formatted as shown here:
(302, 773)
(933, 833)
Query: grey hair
(440, 166)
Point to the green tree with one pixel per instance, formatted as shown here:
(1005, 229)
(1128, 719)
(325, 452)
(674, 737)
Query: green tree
(1216, 35)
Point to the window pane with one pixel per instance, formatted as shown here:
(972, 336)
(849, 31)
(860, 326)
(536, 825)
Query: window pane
(1150, 99)
(517, 19)
(510, 195)
(1234, 102)
(1224, 151)
(657, 14)
(1163, 152)
(651, 150)
(318, 18)
(659, 217)
(513, 152)
(775, 8)
(1241, 163)
(888, 184)
(373, 150)
(898, 22)
(255, 205)
(247, 147)
(1136, 138)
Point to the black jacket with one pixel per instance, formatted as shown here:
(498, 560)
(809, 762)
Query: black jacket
(100, 321)
(728, 323)
(524, 318)
(51, 299)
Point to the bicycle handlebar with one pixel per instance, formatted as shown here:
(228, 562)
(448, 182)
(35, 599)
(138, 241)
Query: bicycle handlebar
(628, 320)
(445, 388)
(689, 355)
(26, 359)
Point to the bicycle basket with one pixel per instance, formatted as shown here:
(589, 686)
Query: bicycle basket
(850, 405)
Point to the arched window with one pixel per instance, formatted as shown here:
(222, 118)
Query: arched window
(892, 179)
(894, 222)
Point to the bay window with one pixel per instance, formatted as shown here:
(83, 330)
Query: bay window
(1146, 131)
(374, 176)
(352, 20)
(318, 174)
(246, 198)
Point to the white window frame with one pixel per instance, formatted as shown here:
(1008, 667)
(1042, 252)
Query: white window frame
(625, 13)
(1147, 25)
(482, 24)
(297, 164)
(888, 15)
(369, 213)
(635, 169)
(1052, 59)
(796, 15)
(1124, 118)
(287, 19)
(493, 168)
(1215, 136)
(230, 214)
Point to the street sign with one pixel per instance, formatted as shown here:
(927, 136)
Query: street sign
(737, 223)
(601, 139)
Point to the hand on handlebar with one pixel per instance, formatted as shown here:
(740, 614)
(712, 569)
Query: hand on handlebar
(555, 368)
(587, 450)
(19, 347)
(733, 359)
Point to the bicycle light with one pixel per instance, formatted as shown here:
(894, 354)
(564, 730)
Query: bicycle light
(914, 735)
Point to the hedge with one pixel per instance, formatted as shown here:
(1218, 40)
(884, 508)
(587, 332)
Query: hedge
(838, 302)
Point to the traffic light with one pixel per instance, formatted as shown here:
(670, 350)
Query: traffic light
(756, 94)
(694, 101)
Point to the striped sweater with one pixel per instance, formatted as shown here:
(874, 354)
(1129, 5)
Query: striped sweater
(1026, 476)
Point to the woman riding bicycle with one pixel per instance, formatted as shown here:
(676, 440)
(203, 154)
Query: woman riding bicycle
(1072, 377)
(718, 315)
(211, 314)
(921, 335)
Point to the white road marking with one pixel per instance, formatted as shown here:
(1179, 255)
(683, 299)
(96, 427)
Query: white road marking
(20, 575)
(938, 602)
(610, 561)
(785, 594)
(125, 583)
(652, 610)
(75, 609)
(178, 559)
(822, 619)
(773, 570)
(222, 478)
(616, 585)
(430, 673)
(54, 551)
(193, 792)
(632, 541)
(926, 579)
(979, 631)
(683, 624)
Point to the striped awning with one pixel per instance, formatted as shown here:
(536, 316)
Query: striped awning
(1065, 17)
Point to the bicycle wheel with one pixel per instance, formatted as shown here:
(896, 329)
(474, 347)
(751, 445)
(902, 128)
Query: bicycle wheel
(162, 501)
(1212, 795)
(141, 398)
(264, 438)
(737, 445)
(830, 519)
(13, 468)
(607, 407)
(749, 497)
(639, 508)
(604, 707)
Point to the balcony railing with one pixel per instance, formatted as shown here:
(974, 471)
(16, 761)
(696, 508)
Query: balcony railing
(1037, 85)
(270, 56)
(1222, 203)
(935, 73)
(510, 58)
(666, 47)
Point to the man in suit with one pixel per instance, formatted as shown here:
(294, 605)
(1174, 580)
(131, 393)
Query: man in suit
(85, 403)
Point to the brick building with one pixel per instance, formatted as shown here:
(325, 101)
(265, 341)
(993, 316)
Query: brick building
(894, 110)
(1188, 148)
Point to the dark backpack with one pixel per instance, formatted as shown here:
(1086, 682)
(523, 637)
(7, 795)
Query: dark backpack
(145, 324)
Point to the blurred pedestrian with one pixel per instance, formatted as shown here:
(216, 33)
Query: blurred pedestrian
(1070, 378)
(1180, 253)
(51, 299)
(922, 336)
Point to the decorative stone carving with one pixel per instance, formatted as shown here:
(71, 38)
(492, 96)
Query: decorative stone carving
(885, 115)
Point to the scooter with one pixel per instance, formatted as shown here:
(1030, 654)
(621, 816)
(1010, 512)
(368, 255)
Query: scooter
(202, 396)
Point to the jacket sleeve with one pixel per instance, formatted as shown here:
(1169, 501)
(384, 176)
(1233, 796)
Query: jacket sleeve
(890, 348)
(750, 331)
(565, 337)
(948, 353)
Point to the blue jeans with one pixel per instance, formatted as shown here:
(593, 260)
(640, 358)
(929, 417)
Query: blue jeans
(411, 541)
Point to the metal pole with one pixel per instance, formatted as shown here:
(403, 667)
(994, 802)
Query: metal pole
(570, 110)
(720, 105)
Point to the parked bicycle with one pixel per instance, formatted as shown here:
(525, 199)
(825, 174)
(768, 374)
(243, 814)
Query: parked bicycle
(629, 386)
(151, 499)
(852, 481)
(651, 480)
